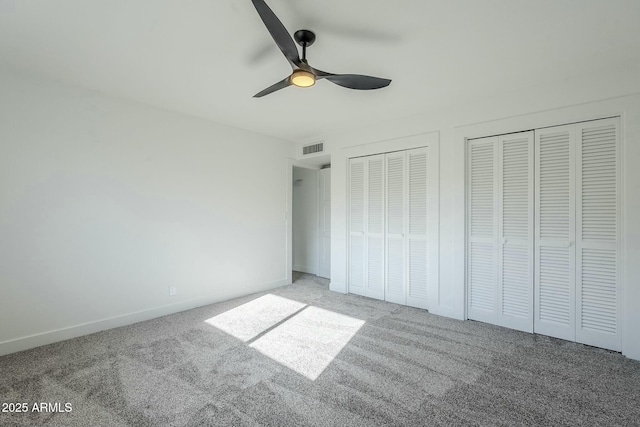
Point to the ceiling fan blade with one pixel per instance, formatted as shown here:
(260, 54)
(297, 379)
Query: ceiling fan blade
(280, 85)
(279, 33)
(356, 81)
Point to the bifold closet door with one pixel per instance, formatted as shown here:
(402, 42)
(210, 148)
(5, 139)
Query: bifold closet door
(543, 232)
(357, 257)
(393, 226)
(409, 212)
(482, 226)
(578, 233)
(420, 221)
(555, 232)
(374, 287)
(500, 230)
(366, 226)
(396, 196)
(515, 231)
(598, 302)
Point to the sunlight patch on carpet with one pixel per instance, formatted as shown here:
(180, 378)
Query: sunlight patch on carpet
(251, 319)
(308, 342)
(303, 338)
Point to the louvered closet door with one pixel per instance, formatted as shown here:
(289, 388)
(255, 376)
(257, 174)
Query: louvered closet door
(515, 224)
(482, 230)
(598, 302)
(395, 270)
(357, 255)
(418, 219)
(374, 283)
(555, 232)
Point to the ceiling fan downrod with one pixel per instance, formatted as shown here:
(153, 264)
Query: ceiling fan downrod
(304, 38)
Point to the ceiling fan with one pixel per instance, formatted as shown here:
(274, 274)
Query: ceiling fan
(303, 74)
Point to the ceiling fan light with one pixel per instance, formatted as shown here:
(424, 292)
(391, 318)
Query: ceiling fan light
(303, 78)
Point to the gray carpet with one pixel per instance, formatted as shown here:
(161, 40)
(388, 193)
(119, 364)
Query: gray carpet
(319, 358)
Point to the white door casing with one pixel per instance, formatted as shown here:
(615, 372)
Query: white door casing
(324, 215)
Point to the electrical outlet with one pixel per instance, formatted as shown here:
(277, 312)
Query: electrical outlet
(172, 291)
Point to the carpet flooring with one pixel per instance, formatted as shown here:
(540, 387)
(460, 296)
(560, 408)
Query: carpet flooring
(301, 355)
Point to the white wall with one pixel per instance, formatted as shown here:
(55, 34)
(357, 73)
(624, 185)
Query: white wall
(547, 105)
(305, 220)
(106, 203)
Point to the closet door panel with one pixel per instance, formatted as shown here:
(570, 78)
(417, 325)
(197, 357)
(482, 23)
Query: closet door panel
(418, 222)
(515, 243)
(357, 257)
(395, 289)
(598, 303)
(555, 232)
(375, 227)
(482, 230)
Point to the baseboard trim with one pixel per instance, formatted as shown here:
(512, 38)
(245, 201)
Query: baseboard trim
(446, 312)
(338, 287)
(50, 337)
(305, 269)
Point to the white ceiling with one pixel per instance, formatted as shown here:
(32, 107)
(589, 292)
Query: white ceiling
(207, 58)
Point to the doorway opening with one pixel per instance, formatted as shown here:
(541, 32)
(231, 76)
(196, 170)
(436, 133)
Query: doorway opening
(310, 224)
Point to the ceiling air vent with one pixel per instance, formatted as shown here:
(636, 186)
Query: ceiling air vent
(313, 148)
